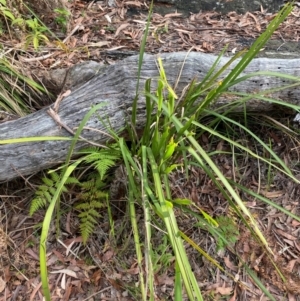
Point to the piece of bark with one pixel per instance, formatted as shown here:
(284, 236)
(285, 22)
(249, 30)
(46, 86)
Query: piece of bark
(115, 87)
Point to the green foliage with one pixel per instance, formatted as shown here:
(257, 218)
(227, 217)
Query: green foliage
(13, 96)
(162, 256)
(61, 18)
(101, 159)
(46, 191)
(226, 232)
(35, 36)
(15, 88)
(6, 14)
(170, 135)
(5, 11)
(91, 198)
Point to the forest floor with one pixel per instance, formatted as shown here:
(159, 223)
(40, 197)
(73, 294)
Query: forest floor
(106, 268)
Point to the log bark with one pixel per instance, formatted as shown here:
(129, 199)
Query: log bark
(115, 87)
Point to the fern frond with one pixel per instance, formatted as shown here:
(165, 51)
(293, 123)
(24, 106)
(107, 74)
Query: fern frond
(55, 176)
(88, 222)
(87, 217)
(94, 181)
(46, 191)
(101, 159)
(83, 206)
(88, 184)
(96, 204)
(47, 181)
(103, 166)
(36, 204)
(92, 200)
(72, 180)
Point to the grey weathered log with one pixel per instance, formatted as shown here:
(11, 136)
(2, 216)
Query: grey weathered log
(115, 87)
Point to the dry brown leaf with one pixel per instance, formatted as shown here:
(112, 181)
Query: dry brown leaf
(295, 223)
(139, 22)
(220, 146)
(173, 15)
(133, 3)
(68, 290)
(233, 298)
(3, 240)
(272, 194)
(2, 285)
(65, 271)
(286, 235)
(33, 254)
(72, 42)
(115, 283)
(256, 21)
(184, 31)
(165, 279)
(223, 290)
(297, 246)
(78, 21)
(85, 37)
(35, 291)
(230, 264)
(293, 286)
(108, 255)
(98, 44)
(133, 271)
(59, 256)
(291, 265)
(96, 277)
(120, 28)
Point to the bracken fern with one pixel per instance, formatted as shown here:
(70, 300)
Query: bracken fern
(92, 198)
(101, 159)
(45, 192)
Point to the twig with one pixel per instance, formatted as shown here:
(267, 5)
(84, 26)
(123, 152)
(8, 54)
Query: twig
(103, 290)
(56, 118)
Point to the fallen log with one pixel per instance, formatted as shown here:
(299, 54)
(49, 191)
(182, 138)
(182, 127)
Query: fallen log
(115, 86)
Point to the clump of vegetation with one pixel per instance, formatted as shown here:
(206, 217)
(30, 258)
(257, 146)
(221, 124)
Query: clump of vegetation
(92, 195)
(151, 160)
(225, 231)
(20, 93)
(170, 141)
(62, 16)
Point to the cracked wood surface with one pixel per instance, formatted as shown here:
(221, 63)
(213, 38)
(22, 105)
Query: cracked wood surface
(115, 87)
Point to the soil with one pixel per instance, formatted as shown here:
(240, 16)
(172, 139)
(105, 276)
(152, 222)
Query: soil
(106, 268)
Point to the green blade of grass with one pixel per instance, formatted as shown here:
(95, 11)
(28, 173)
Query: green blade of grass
(248, 57)
(133, 196)
(35, 139)
(259, 283)
(265, 200)
(66, 172)
(141, 56)
(148, 245)
(195, 150)
(285, 170)
(169, 218)
(45, 230)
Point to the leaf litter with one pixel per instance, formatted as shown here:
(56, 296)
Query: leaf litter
(106, 268)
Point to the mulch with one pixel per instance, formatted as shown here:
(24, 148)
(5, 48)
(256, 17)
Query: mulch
(106, 268)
